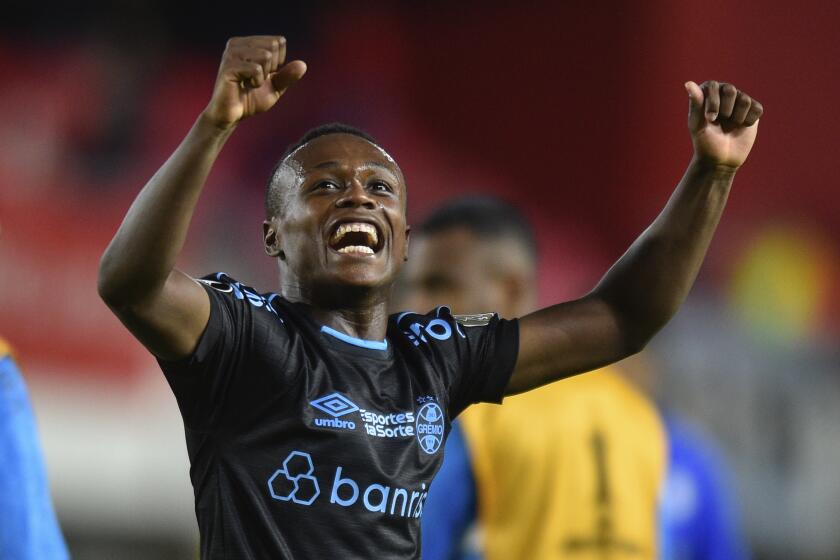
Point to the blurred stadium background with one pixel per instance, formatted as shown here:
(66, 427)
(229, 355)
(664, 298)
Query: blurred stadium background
(574, 111)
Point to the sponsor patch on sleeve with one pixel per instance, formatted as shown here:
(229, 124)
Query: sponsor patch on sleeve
(477, 320)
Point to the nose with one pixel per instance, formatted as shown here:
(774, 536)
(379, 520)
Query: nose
(356, 196)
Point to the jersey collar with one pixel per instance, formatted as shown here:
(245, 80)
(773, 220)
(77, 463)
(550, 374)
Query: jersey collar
(381, 345)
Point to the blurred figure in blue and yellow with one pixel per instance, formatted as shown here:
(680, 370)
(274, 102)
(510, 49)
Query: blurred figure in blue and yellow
(28, 526)
(581, 469)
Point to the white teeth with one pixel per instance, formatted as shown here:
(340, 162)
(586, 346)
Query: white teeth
(358, 227)
(356, 249)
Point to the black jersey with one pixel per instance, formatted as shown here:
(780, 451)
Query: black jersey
(307, 443)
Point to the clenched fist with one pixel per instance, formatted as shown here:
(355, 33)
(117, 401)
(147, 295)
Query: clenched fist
(723, 122)
(252, 77)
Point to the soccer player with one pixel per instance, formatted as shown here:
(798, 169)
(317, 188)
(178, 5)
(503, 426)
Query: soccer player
(314, 420)
(28, 527)
(576, 469)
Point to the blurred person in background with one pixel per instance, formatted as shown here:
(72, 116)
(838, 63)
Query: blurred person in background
(576, 469)
(253, 373)
(28, 526)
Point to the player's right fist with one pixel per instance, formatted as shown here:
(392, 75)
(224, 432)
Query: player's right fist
(252, 77)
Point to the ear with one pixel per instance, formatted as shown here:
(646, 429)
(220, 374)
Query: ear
(517, 290)
(271, 241)
(407, 239)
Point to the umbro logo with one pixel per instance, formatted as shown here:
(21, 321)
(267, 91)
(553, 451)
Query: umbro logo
(335, 405)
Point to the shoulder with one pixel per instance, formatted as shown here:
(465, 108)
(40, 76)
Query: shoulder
(436, 329)
(5, 349)
(228, 289)
(610, 387)
(438, 324)
(223, 283)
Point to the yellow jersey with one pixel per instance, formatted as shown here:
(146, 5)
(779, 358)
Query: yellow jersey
(571, 470)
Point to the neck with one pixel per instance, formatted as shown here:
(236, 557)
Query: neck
(358, 312)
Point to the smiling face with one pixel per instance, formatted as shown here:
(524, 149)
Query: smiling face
(341, 223)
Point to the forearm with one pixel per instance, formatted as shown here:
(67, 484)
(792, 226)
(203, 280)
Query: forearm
(143, 252)
(648, 283)
(644, 289)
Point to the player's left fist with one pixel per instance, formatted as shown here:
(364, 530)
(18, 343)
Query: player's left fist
(723, 122)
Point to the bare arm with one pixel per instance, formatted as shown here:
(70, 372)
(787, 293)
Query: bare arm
(646, 286)
(163, 307)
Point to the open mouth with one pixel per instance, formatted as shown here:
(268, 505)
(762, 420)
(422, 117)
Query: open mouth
(356, 238)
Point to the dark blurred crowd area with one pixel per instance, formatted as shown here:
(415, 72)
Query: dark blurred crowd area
(573, 111)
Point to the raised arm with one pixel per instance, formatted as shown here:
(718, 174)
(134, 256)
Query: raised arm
(646, 286)
(164, 308)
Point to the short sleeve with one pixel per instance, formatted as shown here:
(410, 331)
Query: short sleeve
(475, 354)
(239, 326)
(487, 348)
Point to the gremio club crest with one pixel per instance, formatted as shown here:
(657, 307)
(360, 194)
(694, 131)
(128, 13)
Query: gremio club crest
(429, 427)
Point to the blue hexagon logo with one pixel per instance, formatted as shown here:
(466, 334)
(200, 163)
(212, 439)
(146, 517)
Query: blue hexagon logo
(281, 487)
(294, 482)
(298, 464)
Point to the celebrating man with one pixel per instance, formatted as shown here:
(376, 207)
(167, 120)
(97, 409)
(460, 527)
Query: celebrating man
(314, 420)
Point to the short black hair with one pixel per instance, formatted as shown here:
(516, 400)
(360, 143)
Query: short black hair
(272, 202)
(487, 217)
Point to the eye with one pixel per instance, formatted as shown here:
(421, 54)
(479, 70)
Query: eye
(381, 186)
(328, 185)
